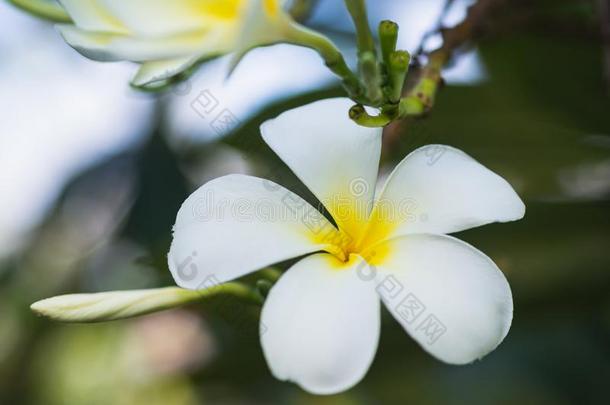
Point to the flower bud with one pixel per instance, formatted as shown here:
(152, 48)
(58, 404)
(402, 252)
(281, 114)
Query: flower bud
(107, 306)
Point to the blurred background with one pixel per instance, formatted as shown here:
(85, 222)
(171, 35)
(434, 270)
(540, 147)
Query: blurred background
(92, 174)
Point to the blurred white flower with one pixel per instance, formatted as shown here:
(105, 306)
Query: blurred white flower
(320, 322)
(107, 119)
(169, 37)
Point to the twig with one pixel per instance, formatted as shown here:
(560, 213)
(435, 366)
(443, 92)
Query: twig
(423, 84)
(421, 94)
(438, 26)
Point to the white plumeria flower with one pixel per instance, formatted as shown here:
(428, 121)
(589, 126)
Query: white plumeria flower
(320, 322)
(169, 36)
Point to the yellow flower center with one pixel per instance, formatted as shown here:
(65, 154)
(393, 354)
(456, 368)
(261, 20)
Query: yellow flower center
(363, 241)
(231, 9)
(271, 7)
(221, 9)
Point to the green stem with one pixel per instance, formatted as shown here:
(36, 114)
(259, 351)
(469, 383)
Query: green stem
(270, 273)
(398, 66)
(357, 9)
(333, 58)
(359, 115)
(420, 98)
(263, 287)
(367, 55)
(371, 76)
(239, 290)
(43, 9)
(388, 36)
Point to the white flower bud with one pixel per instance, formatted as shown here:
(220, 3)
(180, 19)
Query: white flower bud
(107, 306)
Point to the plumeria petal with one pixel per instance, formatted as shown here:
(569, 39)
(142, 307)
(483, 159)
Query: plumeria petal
(93, 15)
(439, 189)
(337, 159)
(183, 32)
(450, 297)
(320, 325)
(158, 70)
(161, 17)
(172, 32)
(113, 47)
(236, 224)
(264, 22)
(136, 16)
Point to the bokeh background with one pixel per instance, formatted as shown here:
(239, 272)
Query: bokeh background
(92, 174)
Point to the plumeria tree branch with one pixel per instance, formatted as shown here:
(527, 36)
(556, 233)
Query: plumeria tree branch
(43, 9)
(423, 84)
(420, 95)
